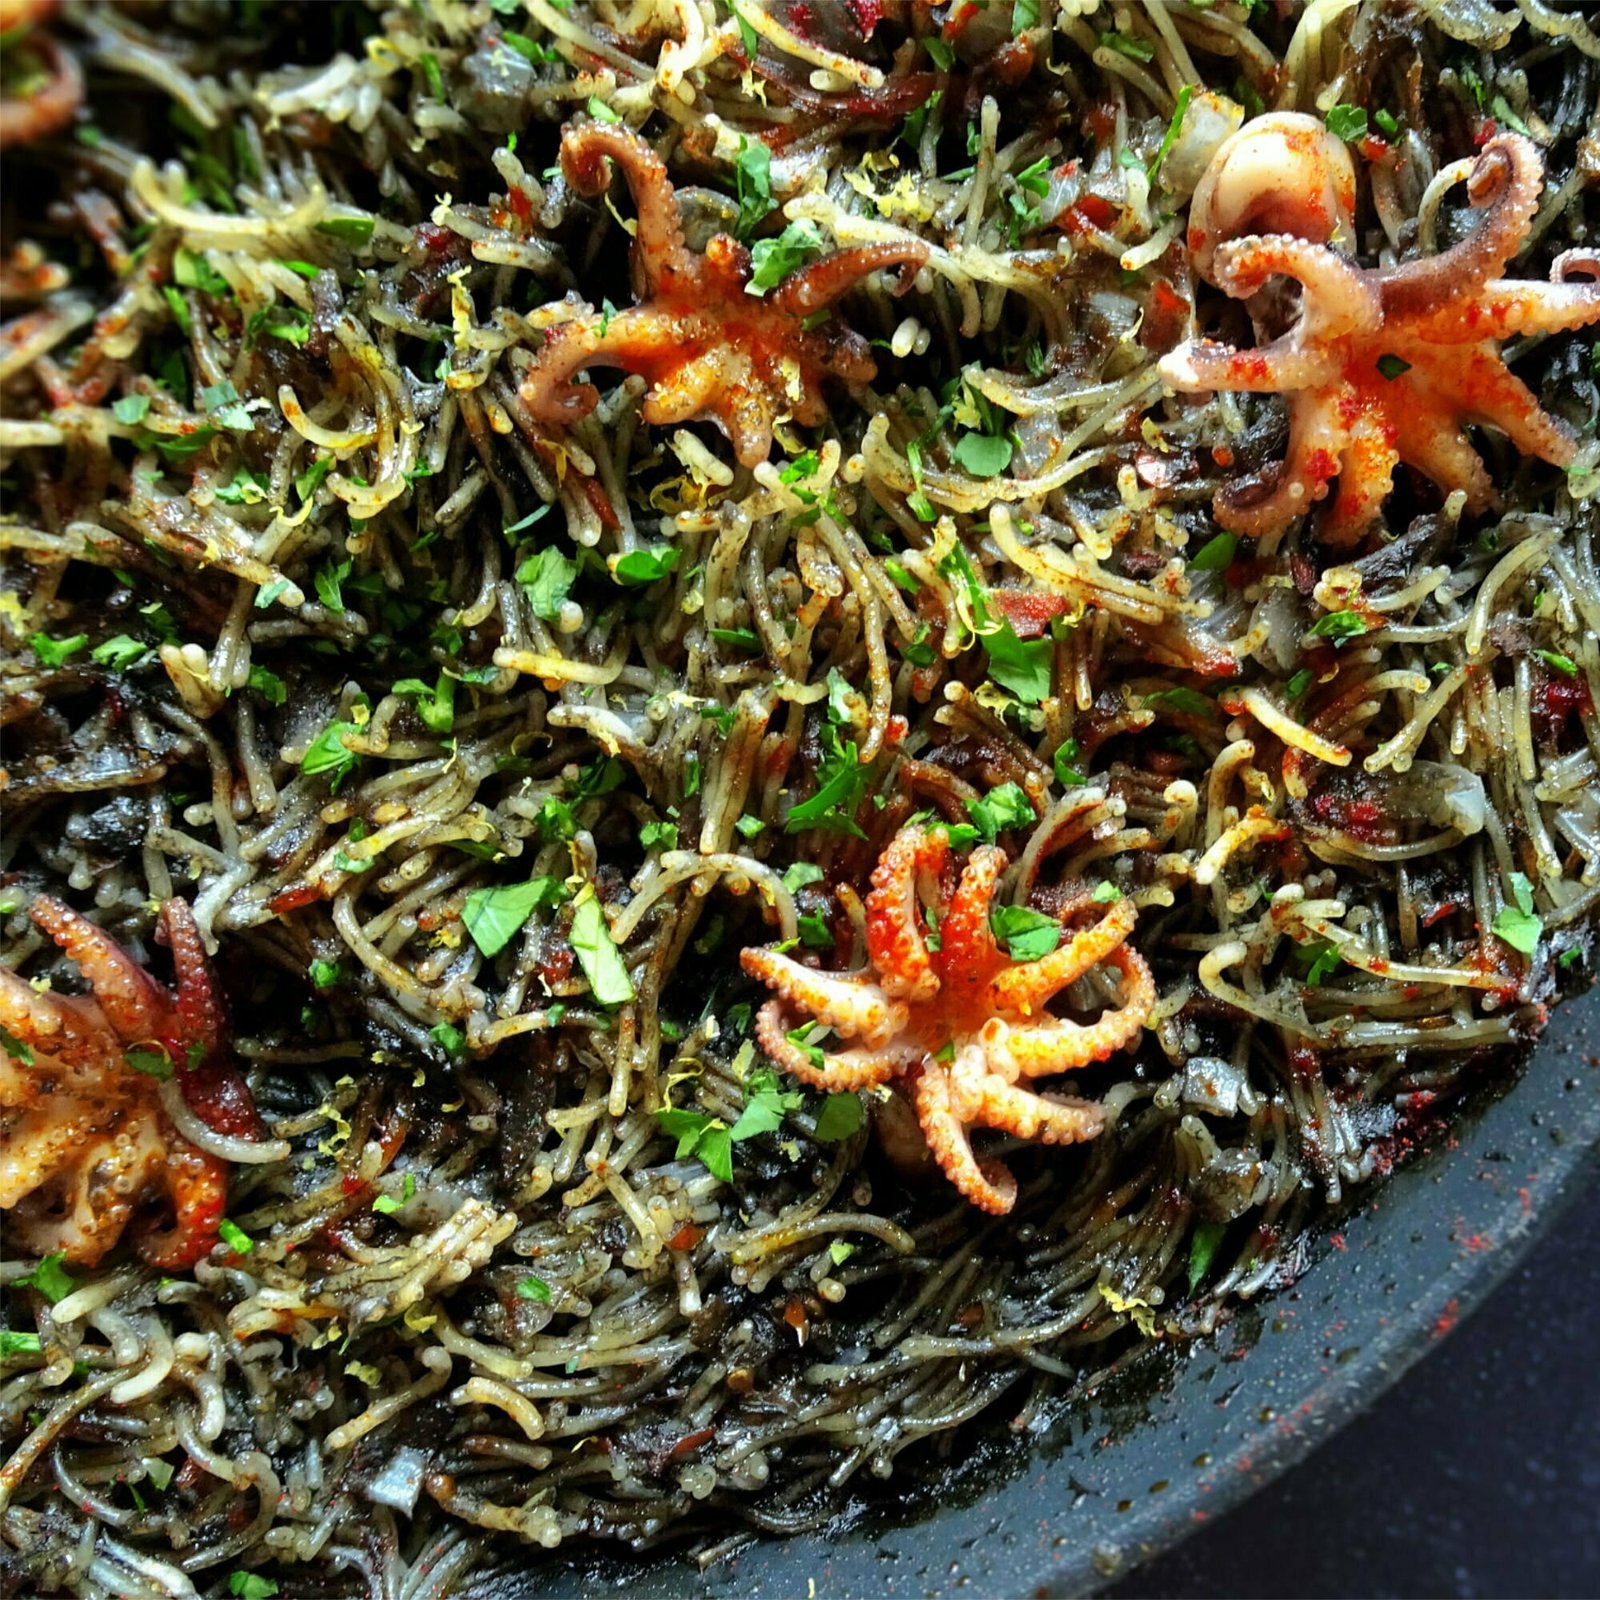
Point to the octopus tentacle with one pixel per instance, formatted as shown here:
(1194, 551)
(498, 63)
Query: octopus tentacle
(48, 108)
(43, 1137)
(576, 346)
(809, 289)
(748, 421)
(851, 1004)
(201, 1018)
(966, 941)
(946, 1046)
(198, 1185)
(1203, 364)
(1382, 365)
(1026, 987)
(977, 1098)
(1505, 181)
(988, 1185)
(1510, 306)
(86, 1142)
(73, 1030)
(843, 1070)
(659, 251)
(895, 942)
(1060, 1045)
(690, 391)
(130, 998)
(1366, 475)
(1446, 455)
(1499, 398)
(81, 1211)
(1318, 437)
(1336, 301)
(707, 347)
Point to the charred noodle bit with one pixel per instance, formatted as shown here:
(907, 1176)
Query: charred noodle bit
(707, 347)
(85, 1141)
(1384, 365)
(476, 722)
(960, 1024)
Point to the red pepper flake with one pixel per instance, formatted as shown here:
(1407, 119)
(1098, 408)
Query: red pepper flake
(1092, 211)
(795, 1315)
(293, 899)
(691, 1442)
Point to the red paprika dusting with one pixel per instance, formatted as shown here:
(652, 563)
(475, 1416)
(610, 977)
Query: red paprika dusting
(865, 14)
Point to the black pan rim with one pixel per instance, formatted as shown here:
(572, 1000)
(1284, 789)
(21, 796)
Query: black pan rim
(1096, 1494)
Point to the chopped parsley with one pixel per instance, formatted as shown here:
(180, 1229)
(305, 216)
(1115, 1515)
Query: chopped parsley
(1202, 1248)
(493, 916)
(50, 1278)
(1339, 626)
(752, 177)
(639, 567)
(983, 455)
(841, 785)
(841, 1116)
(774, 259)
(609, 982)
(1126, 44)
(1517, 923)
(236, 1239)
(1022, 666)
(54, 652)
(1187, 702)
(1067, 773)
(328, 753)
(1028, 935)
(1215, 555)
(1347, 122)
(1006, 806)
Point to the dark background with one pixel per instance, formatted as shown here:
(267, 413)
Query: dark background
(1478, 1474)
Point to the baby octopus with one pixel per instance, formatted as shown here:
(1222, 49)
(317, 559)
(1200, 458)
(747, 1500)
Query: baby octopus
(84, 1141)
(1381, 365)
(954, 1017)
(708, 347)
